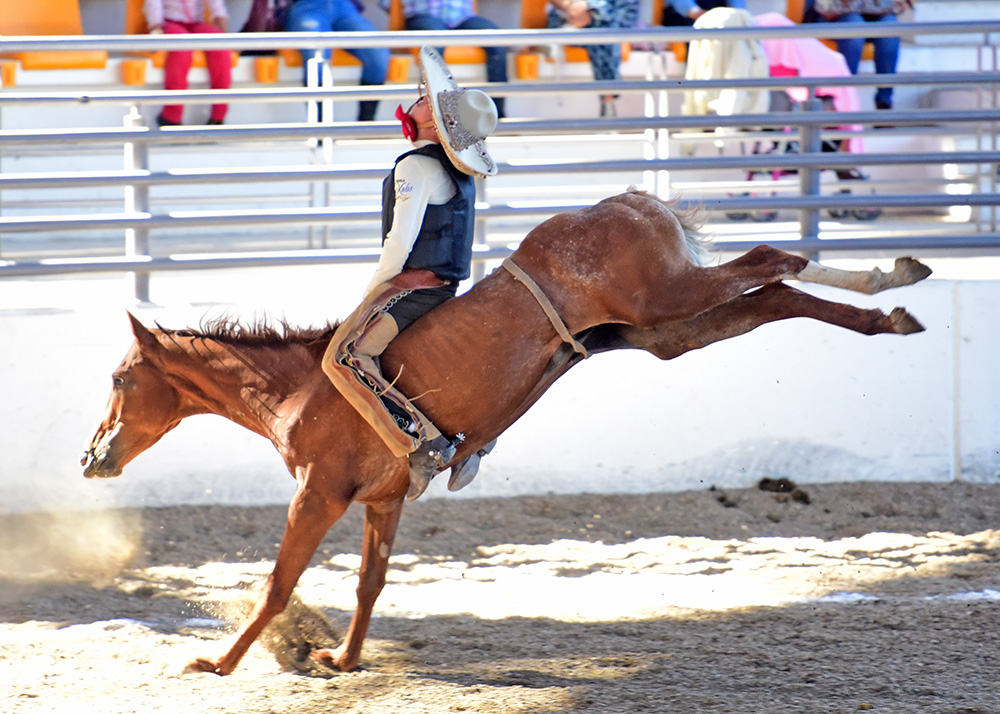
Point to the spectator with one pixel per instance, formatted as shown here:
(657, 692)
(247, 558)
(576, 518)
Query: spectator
(178, 17)
(341, 16)
(683, 13)
(886, 48)
(605, 60)
(456, 15)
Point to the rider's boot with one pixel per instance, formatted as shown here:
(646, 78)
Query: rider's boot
(465, 470)
(426, 462)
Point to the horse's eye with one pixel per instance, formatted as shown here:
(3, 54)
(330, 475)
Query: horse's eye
(119, 381)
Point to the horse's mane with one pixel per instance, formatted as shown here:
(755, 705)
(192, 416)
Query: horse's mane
(261, 332)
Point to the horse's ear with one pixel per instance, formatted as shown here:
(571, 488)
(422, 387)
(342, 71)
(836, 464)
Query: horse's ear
(142, 334)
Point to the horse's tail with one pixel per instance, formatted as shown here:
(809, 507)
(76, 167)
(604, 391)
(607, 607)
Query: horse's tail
(691, 220)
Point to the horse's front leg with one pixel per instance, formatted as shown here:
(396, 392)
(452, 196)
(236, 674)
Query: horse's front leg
(310, 516)
(381, 522)
(768, 304)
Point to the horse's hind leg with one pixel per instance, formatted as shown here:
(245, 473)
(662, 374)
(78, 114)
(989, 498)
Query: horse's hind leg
(768, 304)
(696, 290)
(380, 531)
(905, 272)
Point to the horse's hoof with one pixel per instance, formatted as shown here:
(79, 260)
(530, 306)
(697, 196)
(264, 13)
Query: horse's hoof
(903, 323)
(333, 659)
(909, 271)
(201, 665)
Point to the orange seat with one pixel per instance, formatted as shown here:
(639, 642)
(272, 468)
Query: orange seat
(399, 67)
(135, 24)
(48, 17)
(452, 55)
(795, 10)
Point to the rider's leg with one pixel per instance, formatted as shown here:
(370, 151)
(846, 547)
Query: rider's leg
(351, 363)
(357, 389)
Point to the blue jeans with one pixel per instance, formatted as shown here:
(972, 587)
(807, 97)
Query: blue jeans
(605, 60)
(496, 57)
(886, 52)
(341, 16)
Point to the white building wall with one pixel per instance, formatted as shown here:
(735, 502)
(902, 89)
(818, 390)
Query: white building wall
(797, 399)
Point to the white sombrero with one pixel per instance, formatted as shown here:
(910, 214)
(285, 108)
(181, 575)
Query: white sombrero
(463, 117)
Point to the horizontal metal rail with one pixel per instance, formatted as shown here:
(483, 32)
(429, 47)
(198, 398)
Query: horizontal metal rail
(346, 256)
(405, 91)
(508, 127)
(483, 38)
(350, 214)
(778, 162)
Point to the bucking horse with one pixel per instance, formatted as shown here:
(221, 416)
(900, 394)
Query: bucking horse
(622, 274)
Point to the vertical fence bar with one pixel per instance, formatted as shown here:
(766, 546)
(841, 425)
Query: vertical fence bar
(810, 142)
(479, 235)
(137, 201)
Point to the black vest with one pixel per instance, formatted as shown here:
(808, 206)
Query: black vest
(444, 243)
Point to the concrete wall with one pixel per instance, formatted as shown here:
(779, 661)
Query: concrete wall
(799, 399)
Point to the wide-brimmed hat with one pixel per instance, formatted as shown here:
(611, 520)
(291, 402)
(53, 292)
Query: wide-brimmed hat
(463, 117)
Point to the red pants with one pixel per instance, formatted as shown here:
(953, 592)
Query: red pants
(178, 63)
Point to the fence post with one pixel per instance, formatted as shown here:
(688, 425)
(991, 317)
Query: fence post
(137, 201)
(479, 235)
(810, 142)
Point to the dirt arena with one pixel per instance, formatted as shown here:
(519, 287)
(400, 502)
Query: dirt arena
(833, 598)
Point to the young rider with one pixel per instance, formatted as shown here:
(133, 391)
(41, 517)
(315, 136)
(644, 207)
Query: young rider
(428, 217)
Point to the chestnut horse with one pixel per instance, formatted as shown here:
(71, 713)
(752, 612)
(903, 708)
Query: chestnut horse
(620, 274)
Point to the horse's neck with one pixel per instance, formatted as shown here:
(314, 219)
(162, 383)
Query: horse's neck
(246, 384)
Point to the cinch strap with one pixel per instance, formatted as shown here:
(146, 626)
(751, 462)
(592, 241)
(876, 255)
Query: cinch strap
(546, 305)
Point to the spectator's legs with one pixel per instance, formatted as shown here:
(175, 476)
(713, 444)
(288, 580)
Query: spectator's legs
(175, 72)
(374, 61)
(310, 16)
(496, 57)
(886, 59)
(850, 48)
(219, 72)
(422, 21)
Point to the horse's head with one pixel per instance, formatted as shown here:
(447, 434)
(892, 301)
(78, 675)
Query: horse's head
(143, 406)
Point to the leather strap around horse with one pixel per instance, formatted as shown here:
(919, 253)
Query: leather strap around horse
(546, 305)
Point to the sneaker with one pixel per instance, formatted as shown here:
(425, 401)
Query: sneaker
(608, 109)
(160, 121)
(215, 122)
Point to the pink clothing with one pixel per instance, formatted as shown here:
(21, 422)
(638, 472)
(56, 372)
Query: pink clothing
(178, 63)
(156, 11)
(808, 57)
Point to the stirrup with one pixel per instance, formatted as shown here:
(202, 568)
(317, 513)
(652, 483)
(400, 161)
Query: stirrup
(465, 470)
(426, 462)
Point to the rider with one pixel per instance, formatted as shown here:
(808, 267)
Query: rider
(428, 216)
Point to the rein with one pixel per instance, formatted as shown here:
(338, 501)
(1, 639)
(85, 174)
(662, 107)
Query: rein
(546, 305)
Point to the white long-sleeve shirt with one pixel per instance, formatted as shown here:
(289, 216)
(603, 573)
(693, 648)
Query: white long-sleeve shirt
(181, 10)
(420, 180)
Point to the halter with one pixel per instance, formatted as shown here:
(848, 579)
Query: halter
(546, 305)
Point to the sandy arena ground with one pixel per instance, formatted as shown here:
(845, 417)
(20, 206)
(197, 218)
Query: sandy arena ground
(833, 598)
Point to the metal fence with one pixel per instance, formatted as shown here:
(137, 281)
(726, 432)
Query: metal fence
(666, 152)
